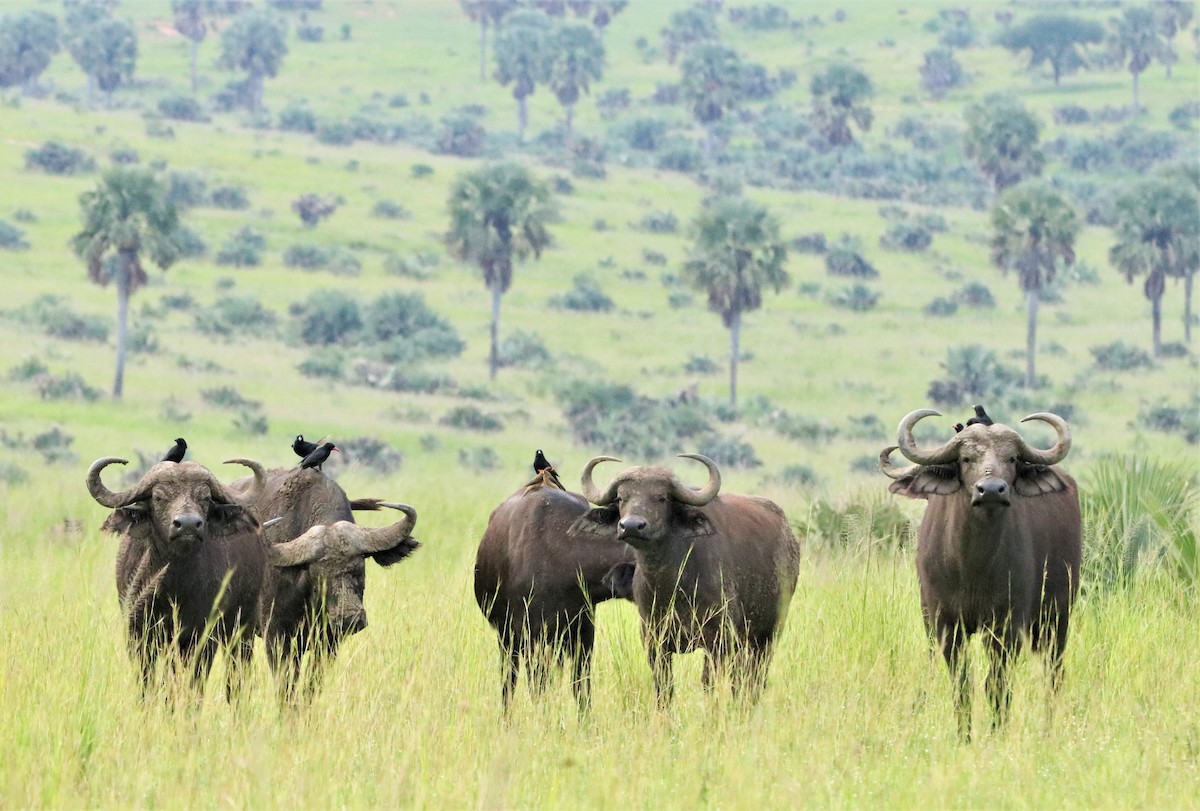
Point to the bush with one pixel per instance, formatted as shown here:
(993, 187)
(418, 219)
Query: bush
(307, 257)
(413, 267)
(371, 453)
(57, 158)
(11, 473)
(1121, 357)
(941, 307)
(328, 362)
(585, 296)
(470, 418)
(228, 397)
(1171, 419)
(613, 101)
(185, 189)
(191, 245)
(660, 222)
(843, 259)
(478, 459)
(941, 72)
(56, 318)
(701, 365)
(523, 349)
(298, 117)
(729, 452)
(906, 236)
(312, 208)
(395, 378)
(329, 317)
(862, 522)
(235, 314)
(858, 298)
(70, 386)
(798, 475)
(680, 157)
(181, 108)
(974, 375)
(391, 210)
(310, 33)
(27, 369)
(251, 421)
(1183, 116)
(645, 134)
(975, 294)
(809, 243)
(243, 249)
(1071, 114)
(232, 198)
(124, 156)
(335, 133)
(12, 238)
(462, 135)
(406, 317)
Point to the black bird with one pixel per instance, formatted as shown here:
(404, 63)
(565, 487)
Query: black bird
(177, 451)
(303, 448)
(980, 417)
(318, 456)
(958, 426)
(540, 463)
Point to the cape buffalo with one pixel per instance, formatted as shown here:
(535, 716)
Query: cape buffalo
(712, 571)
(998, 549)
(189, 567)
(314, 593)
(537, 580)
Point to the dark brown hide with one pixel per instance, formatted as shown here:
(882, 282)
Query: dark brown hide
(314, 604)
(998, 549)
(189, 553)
(715, 576)
(537, 581)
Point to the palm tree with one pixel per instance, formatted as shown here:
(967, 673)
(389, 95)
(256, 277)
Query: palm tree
(839, 95)
(1034, 228)
(126, 215)
(711, 85)
(498, 213)
(737, 251)
(1002, 138)
(1138, 38)
(577, 61)
(1157, 229)
(522, 48)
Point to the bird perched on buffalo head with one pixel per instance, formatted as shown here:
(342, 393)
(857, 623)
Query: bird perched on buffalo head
(980, 417)
(303, 448)
(541, 463)
(318, 456)
(177, 451)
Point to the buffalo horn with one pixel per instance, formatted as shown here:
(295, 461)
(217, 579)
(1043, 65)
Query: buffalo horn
(258, 487)
(908, 445)
(890, 470)
(101, 493)
(373, 540)
(305, 549)
(698, 498)
(602, 499)
(1054, 455)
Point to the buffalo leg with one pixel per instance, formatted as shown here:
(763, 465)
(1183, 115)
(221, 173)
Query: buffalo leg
(1002, 646)
(510, 660)
(660, 669)
(953, 638)
(582, 681)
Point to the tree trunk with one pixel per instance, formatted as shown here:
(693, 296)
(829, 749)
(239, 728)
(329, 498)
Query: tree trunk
(1188, 281)
(91, 90)
(709, 140)
(1155, 284)
(482, 47)
(522, 117)
(1136, 105)
(195, 56)
(256, 90)
(569, 109)
(735, 336)
(1057, 71)
(125, 260)
(494, 357)
(1031, 306)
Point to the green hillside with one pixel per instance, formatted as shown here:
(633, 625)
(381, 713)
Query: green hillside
(219, 359)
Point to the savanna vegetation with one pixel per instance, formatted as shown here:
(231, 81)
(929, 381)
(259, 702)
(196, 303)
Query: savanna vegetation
(448, 233)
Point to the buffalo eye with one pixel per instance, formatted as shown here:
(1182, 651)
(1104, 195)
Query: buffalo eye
(966, 460)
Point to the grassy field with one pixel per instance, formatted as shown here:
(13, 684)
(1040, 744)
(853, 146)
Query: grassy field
(857, 714)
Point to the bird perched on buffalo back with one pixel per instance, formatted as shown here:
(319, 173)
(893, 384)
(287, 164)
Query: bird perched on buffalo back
(980, 417)
(318, 456)
(303, 448)
(541, 463)
(177, 451)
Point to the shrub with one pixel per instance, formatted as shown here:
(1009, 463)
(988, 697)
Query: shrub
(681, 157)
(54, 445)
(660, 222)
(941, 306)
(645, 134)
(335, 133)
(371, 453)
(343, 262)
(329, 317)
(12, 238)
(857, 297)
(235, 314)
(190, 244)
(1121, 357)
(863, 521)
(227, 397)
(729, 452)
(412, 267)
(24, 215)
(56, 318)
(251, 421)
(307, 257)
(809, 243)
(843, 259)
(798, 475)
(124, 156)
(975, 294)
(701, 365)
(906, 236)
(396, 378)
(470, 418)
(1171, 419)
(461, 135)
(181, 108)
(613, 101)
(232, 198)
(70, 386)
(585, 296)
(185, 189)
(142, 339)
(27, 369)
(420, 170)
(310, 33)
(243, 249)
(11, 473)
(326, 362)
(941, 72)
(523, 349)
(482, 458)
(406, 316)
(1071, 114)
(57, 158)
(298, 117)
(312, 208)
(391, 210)
(1184, 115)
(974, 375)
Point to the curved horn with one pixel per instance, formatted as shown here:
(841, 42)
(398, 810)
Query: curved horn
(380, 539)
(590, 492)
(1055, 454)
(890, 470)
(101, 493)
(908, 445)
(299, 551)
(259, 486)
(698, 498)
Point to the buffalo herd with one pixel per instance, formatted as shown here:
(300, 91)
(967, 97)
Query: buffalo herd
(205, 566)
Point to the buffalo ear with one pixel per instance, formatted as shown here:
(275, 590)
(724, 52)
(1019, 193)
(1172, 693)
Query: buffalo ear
(123, 518)
(397, 553)
(230, 519)
(691, 522)
(928, 480)
(619, 580)
(597, 521)
(1037, 480)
